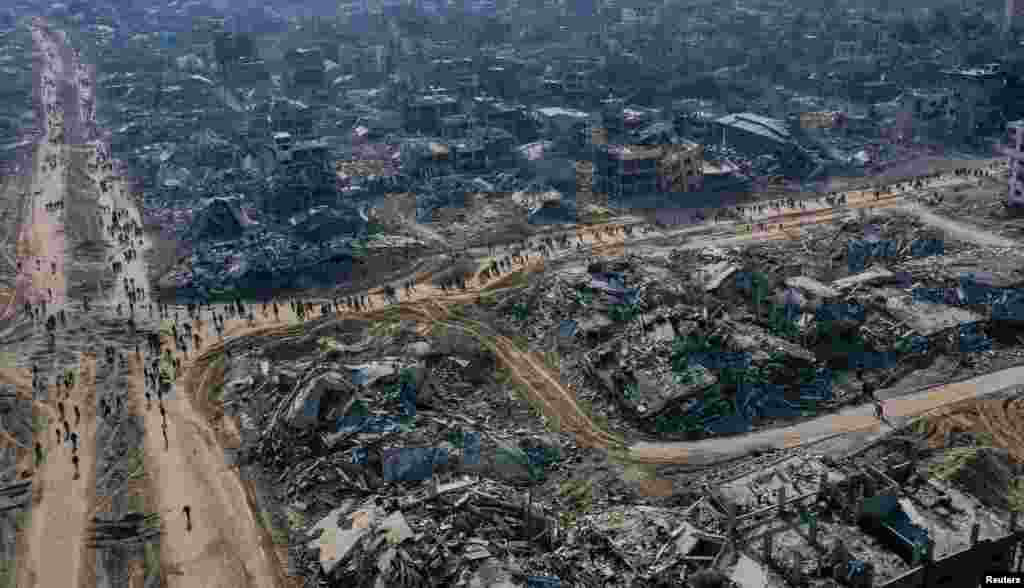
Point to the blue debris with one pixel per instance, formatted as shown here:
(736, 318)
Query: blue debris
(841, 312)
(471, 448)
(970, 338)
(818, 389)
(744, 281)
(407, 395)
(367, 424)
(871, 360)
(1011, 310)
(729, 425)
(720, 359)
(311, 408)
(567, 329)
(360, 455)
(360, 376)
(932, 295)
(543, 582)
(927, 247)
(855, 568)
(976, 292)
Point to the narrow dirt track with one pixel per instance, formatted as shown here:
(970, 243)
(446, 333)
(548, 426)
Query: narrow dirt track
(61, 503)
(224, 549)
(430, 304)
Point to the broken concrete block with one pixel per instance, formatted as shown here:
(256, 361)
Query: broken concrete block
(476, 549)
(595, 324)
(812, 287)
(396, 527)
(418, 349)
(305, 409)
(493, 574)
(341, 533)
(653, 394)
(759, 343)
(368, 373)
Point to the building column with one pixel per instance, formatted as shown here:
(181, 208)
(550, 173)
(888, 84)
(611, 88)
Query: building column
(975, 529)
(798, 563)
(812, 529)
(731, 520)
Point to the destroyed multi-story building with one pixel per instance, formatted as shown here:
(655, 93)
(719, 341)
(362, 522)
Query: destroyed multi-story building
(637, 170)
(306, 177)
(306, 70)
(974, 91)
(568, 129)
(424, 113)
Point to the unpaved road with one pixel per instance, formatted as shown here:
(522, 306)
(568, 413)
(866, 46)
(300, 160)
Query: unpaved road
(62, 501)
(225, 547)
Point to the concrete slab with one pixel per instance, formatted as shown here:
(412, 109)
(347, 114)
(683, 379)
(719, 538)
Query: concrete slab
(749, 574)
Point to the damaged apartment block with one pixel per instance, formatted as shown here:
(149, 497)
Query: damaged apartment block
(874, 518)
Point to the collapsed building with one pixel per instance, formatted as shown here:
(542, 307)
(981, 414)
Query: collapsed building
(874, 518)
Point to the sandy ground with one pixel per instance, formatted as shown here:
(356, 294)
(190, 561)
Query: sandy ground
(62, 507)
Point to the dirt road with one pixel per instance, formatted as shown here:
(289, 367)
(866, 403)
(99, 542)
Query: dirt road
(224, 548)
(62, 499)
(62, 502)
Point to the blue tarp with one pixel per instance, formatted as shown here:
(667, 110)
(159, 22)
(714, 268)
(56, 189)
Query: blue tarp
(471, 448)
(311, 408)
(407, 395)
(717, 360)
(729, 425)
(367, 424)
(360, 455)
(886, 510)
(567, 329)
(543, 582)
(761, 400)
(970, 338)
(412, 464)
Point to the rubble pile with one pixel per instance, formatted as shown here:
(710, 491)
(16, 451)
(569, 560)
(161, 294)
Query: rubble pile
(323, 417)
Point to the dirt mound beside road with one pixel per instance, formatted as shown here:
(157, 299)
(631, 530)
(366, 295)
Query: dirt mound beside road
(996, 421)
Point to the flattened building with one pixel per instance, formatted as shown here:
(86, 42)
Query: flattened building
(755, 135)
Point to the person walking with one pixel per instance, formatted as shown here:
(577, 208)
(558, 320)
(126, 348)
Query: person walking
(188, 517)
